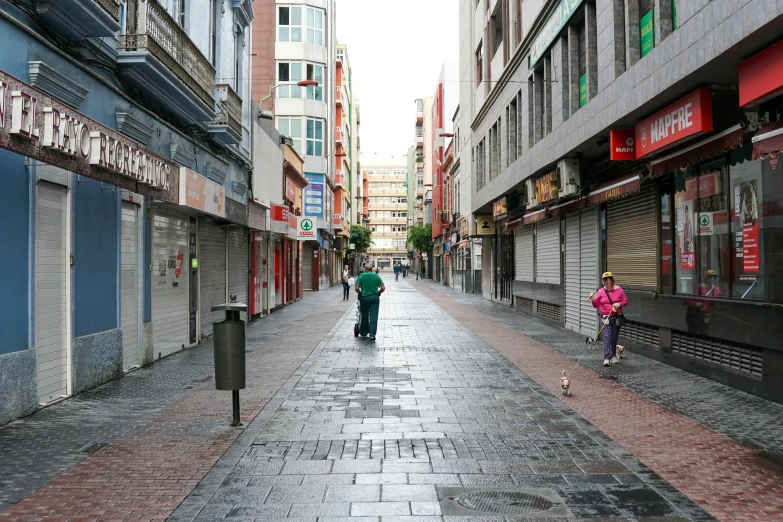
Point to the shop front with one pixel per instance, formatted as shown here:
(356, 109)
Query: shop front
(259, 268)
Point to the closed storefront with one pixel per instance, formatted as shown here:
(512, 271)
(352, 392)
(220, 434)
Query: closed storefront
(130, 317)
(238, 266)
(257, 216)
(548, 252)
(524, 254)
(212, 268)
(307, 267)
(581, 261)
(170, 281)
(632, 240)
(51, 296)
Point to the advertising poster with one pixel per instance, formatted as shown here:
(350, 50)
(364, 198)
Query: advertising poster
(314, 196)
(746, 211)
(685, 234)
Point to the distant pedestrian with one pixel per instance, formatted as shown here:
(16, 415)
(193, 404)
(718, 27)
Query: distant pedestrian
(397, 272)
(610, 300)
(423, 271)
(369, 286)
(346, 284)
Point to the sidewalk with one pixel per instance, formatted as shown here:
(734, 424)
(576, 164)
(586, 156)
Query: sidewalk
(706, 439)
(137, 446)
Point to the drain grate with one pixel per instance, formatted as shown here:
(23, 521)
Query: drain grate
(92, 447)
(505, 502)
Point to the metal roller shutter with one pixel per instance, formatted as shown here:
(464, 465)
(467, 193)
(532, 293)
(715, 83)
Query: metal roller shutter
(572, 271)
(523, 254)
(51, 332)
(548, 252)
(170, 297)
(589, 277)
(238, 265)
(632, 240)
(129, 282)
(307, 267)
(212, 268)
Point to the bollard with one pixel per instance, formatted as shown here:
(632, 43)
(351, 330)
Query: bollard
(229, 345)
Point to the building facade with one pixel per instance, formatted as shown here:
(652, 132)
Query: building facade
(387, 207)
(638, 139)
(127, 161)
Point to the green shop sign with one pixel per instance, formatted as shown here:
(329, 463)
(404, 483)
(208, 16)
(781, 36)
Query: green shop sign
(583, 90)
(646, 30)
(552, 28)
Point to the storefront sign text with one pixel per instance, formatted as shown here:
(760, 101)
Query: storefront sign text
(615, 190)
(552, 28)
(499, 208)
(36, 125)
(201, 193)
(534, 217)
(622, 145)
(685, 118)
(546, 188)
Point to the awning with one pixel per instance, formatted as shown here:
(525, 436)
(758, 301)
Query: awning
(615, 189)
(709, 148)
(513, 225)
(534, 216)
(768, 141)
(567, 208)
(462, 244)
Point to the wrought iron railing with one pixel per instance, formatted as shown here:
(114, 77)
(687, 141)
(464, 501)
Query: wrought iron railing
(229, 107)
(112, 7)
(155, 31)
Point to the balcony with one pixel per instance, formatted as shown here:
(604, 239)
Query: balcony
(338, 96)
(338, 135)
(419, 142)
(160, 59)
(226, 128)
(79, 19)
(338, 221)
(445, 220)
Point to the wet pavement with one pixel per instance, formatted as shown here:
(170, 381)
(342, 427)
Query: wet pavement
(426, 423)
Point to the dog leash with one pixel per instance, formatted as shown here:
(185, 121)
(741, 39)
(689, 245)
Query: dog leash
(587, 346)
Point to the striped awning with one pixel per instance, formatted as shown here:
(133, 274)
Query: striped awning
(768, 141)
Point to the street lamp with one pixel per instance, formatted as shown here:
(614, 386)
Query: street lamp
(268, 115)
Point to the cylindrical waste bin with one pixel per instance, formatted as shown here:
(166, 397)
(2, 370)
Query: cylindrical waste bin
(229, 343)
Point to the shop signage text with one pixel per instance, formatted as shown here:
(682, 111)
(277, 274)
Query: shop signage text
(201, 193)
(615, 190)
(485, 226)
(685, 118)
(759, 76)
(36, 125)
(534, 217)
(463, 228)
(499, 208)
(622, 145)
(583, 90)
(551, 29)
(546, 188)
(646, 31)
(314, 196)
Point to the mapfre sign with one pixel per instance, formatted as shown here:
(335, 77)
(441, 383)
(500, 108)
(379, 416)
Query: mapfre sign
(38, 126)
(685, 118)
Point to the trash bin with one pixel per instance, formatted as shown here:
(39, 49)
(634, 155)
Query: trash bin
(228, 338)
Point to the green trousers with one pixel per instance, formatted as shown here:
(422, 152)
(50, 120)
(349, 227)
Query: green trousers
(369, 307)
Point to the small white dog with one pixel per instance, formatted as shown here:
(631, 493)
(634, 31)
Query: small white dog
(565, 383)
(620, 351)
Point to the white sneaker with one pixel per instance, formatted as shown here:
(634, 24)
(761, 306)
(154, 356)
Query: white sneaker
(615, 360)
(606, 362)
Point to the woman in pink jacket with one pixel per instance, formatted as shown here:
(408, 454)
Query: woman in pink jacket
(610, 301)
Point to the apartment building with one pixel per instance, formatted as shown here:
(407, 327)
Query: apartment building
(302, 46)
(345, 158)
(637, 138)
(387, 213)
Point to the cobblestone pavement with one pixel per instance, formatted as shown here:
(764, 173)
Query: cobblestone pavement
(427, 423)
(135, 447)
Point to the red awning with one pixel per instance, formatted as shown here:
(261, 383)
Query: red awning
(768, 141)
(534, 216)
(713, 146)
(615, 189)
(513, 225)
(567, 208)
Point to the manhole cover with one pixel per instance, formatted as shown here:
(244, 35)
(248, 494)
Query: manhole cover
(505, 502)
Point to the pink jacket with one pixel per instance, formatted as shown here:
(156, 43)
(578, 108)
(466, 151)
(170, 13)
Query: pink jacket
(601, 300)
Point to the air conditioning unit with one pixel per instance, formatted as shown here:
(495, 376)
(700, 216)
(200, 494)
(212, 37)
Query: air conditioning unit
(530, 193)
(568, 177)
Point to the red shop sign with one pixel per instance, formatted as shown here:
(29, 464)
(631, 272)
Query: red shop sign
(622, 145)
(279, 213)
(761, 76)
(290, 190)
(685, 118)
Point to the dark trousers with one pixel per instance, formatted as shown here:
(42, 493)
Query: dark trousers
(346, 290)
(369, 307)
(611, 334)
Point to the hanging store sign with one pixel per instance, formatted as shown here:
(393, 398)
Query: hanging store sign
(683, 119)
(38, 126)
(760, 76)
(485, 226)
(203, 194)
(463, 227)
(622, 145)
(551, 29)
(499, 208)
(546, 188)
(314, 195)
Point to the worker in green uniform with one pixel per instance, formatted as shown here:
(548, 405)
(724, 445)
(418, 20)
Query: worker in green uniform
(369, 286)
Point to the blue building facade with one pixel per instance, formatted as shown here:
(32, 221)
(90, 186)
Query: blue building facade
(97, 146)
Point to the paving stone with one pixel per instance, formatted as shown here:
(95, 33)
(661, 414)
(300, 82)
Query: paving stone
(405, 492)
(380, 508)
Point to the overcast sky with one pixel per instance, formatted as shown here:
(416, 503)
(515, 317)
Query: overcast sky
(396, 50)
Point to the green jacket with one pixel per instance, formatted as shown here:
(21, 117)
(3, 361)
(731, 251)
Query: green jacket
(370, 283)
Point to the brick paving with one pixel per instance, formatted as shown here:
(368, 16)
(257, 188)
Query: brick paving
(421, 425)
(729, 480)
(159, 430)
